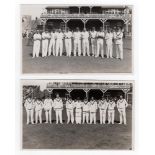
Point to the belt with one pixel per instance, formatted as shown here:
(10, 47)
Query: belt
(86, 111)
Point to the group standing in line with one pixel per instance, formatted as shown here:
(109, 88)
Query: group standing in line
(77, 111)
(85, 43)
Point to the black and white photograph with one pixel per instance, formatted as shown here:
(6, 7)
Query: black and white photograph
(76, 39)
(69, 114)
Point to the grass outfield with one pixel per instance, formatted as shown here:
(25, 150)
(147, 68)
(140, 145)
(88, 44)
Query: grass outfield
(84, 136)
(76, 64)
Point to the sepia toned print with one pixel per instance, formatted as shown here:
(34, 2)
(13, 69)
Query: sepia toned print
(77, 114)
(76, 39)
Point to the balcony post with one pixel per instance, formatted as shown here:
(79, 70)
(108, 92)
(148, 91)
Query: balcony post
(125, 92)
(103, 21)
(65, 21)
(84, 22)
(69, 91)
(86, 91)
(90, 9)
(79, 9)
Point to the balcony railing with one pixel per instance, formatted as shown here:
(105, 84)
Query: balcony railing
(86, 16)
(57, 85)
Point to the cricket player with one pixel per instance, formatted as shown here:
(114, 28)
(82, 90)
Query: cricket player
(70, 110)
(77, 41)
(59, 42)
(93, 109)
(51, 48)
(85, 42)
(100, 43)
(38, 110)
(111, 111)
(45, 41)
(29, 106)
(36, 44)
(93, 34)
(85, 112)
(108, 41)
(68, 42)
(78, 111)
(103, 105)
(121, 106)
(48, 104)
(58, 107)
(118, 37)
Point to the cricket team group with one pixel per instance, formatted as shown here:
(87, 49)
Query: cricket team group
(78, 111)
(80, 43)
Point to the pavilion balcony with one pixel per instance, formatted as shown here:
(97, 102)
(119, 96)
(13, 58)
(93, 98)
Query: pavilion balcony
(86, 16)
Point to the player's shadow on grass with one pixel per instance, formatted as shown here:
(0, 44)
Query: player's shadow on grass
(115, 121)
(65, 122)
(40, 55)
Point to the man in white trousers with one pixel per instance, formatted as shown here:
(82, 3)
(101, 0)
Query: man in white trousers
(51, 48)
(70, 110)
(38, 110)
(103, 105)
(85, 111)
(93, 110)
(59, 42)
(85, 42)
(118, 38)
(58, 107)
(93, 35)
(48, 104)
(77, 41)
(36, 44)
(45, 42)
(78, 111)
(68, 42)
(111, 111)
(29, 106)
(100, 43)
(109, 43)
(121, 106)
